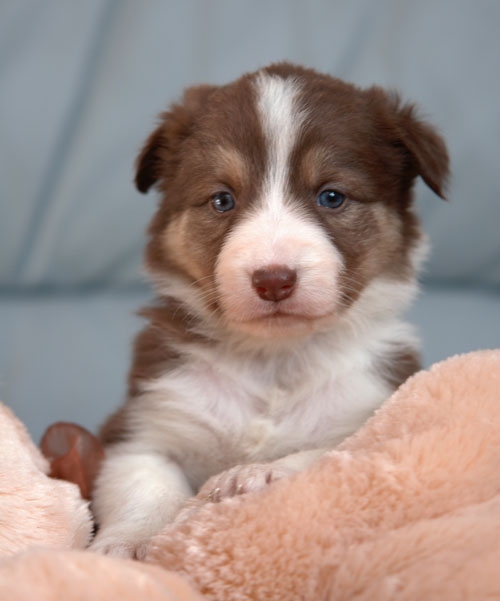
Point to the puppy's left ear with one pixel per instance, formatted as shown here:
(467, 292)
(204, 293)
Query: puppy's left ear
(427, 149)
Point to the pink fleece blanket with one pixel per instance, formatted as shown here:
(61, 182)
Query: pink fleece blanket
(408, 509)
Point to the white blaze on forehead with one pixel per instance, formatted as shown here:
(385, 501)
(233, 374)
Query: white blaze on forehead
(277, 231)
(281, 120)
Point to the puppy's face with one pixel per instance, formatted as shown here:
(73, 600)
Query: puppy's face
(284, 196)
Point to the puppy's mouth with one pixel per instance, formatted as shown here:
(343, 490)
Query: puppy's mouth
(282, 322)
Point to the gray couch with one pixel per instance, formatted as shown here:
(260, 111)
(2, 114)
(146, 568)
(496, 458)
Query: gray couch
(80, 85)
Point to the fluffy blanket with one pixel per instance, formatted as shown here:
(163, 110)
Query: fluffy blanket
(408, 508)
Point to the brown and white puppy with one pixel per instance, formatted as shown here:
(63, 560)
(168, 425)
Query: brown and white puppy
(283, 251)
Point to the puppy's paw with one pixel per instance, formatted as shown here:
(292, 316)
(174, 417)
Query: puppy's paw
(118, 545)
(242, 479)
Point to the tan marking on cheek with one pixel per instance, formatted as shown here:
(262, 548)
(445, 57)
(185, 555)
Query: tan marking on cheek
(390, 227)
(181, 248)
(383, 248)
(395, 246)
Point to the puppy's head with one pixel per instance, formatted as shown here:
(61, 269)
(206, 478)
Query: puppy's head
(286, 198)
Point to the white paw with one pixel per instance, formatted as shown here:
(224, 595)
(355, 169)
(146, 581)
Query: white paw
(119, 546)
(243, 479)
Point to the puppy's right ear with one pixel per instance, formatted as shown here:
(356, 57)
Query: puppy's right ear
(149, 161)
(161, 152)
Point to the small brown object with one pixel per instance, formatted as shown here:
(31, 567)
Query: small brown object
(74, 454)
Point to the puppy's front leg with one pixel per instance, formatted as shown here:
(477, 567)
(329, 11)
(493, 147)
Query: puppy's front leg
(136, 494)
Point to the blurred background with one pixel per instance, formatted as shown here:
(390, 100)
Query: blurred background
(81, 84)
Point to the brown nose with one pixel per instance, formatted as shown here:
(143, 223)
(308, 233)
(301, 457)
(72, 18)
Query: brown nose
(274, 283)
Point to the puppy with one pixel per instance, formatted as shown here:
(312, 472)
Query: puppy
(283, 251)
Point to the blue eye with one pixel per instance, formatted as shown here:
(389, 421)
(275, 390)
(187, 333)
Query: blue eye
(331, 199)
(222, 202)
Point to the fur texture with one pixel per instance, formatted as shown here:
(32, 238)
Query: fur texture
(408, 508)
(77, 576)
(283, 251)
(35, 509)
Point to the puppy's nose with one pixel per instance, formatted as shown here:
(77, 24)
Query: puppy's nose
(274, 283)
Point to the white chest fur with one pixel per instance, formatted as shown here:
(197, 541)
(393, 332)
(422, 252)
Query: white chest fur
(220, 408)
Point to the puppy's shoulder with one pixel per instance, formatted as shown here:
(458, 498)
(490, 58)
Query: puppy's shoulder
(397, 366)
(155, 352)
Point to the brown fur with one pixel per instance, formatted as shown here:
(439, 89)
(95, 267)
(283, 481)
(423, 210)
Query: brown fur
(371, 145)
(408, 508)
(365, 143)
(153, 355)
